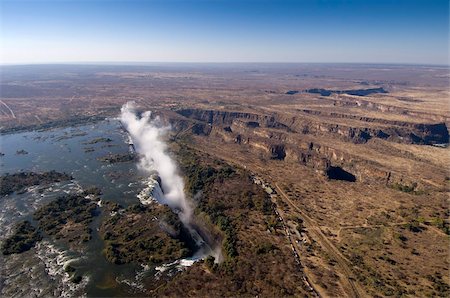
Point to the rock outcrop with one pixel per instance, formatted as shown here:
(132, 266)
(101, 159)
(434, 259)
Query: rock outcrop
(286, 138)
(397, 131)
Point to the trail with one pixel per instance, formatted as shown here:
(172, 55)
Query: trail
(39, 119)
(327, 245)
(11, 111)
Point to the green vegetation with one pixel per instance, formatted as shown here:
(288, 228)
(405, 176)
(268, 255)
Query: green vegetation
(210, 264)
(441, 288)
(67, 218)
(226, 193)
(415, 226)
(20, 181)
(299, 226)
(237, 212)
(114, 158)
(441, 224)
(201, 176)
(229, 243)
(370, 277)
(144, 234)
(265, 248)
(412, 189)
(24, 238)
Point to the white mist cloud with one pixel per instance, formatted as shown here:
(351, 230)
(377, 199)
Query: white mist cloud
(147, 137)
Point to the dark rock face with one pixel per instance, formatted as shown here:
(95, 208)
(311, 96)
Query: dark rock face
(421, 134)
(434, 133)
(337, 173)
(381, 134)
(364, 92)
(322, 92)
(217, 117)
(252, 124)
(292, 92)
(357, 92)
(201, 129)
(397, 131)
(278, 152)
(359, 135)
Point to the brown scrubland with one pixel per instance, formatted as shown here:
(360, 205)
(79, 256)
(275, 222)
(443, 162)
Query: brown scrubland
(355, 158)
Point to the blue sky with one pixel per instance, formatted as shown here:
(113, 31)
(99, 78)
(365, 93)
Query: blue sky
(382, 31)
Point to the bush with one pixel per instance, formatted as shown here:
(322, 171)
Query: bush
(414, 226)
(23, 239)
(407, 188)
(209, 262)
(265, 248)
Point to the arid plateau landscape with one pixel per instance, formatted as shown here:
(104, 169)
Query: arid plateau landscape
(317, 180)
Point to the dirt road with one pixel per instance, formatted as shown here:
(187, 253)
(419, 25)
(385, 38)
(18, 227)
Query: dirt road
(10, 110)
(313, 228)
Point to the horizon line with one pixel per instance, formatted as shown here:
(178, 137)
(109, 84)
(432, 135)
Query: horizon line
(137, 63)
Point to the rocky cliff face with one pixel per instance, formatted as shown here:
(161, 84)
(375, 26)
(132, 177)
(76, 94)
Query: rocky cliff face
(283, 138)
(397, 131)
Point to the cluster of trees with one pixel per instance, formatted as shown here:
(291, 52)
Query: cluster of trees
(229, 243)
(24, 238)
(68, 208)
(51, 218)
(134, 236)
(201, 176)
(19, 181)
(115, 158)
(265, 248)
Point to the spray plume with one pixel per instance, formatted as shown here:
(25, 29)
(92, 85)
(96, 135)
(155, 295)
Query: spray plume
(147, 134)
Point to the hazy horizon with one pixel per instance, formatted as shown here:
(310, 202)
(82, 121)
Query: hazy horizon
(200, 63)
(245, 31)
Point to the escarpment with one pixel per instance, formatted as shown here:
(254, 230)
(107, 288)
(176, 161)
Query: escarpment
(309, 138)
(366, 128)
(314, 139)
